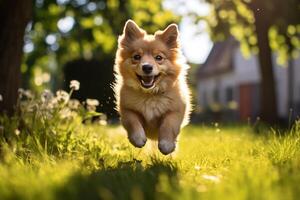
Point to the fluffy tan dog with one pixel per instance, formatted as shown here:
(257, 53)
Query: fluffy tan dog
(152, 95)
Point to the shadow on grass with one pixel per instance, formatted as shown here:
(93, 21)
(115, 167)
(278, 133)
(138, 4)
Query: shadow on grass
(128, 180)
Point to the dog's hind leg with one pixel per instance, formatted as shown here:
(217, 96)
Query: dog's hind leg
(133, 125)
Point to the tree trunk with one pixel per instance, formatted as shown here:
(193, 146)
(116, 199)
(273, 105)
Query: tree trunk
(14, 16)
(268, 101)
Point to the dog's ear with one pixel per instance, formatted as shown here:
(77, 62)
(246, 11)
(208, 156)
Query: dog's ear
(131, 32)
(169, 36)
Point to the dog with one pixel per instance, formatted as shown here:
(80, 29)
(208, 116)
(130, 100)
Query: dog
(152, 95)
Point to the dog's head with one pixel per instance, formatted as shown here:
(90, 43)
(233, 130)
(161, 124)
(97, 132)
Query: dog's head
(148, 62)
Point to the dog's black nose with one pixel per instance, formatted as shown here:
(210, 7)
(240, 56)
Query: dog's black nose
(147, 68)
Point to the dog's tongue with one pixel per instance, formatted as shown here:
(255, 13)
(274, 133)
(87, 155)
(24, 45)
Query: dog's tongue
(147, 81)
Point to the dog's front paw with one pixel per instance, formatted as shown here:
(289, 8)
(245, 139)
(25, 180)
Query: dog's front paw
(138, 140)
(166, 147)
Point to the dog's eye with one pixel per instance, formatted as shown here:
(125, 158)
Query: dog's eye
(137, 57)
(158, 58)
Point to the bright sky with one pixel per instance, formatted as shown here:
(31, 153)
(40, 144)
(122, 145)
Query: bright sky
(195, 40)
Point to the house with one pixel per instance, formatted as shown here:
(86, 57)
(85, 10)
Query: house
(228, 85)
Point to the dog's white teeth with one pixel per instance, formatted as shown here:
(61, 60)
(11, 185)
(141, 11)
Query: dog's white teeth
(147, 83)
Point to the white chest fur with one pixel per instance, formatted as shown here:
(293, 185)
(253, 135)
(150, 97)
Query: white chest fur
(155, 107)
(149, 106)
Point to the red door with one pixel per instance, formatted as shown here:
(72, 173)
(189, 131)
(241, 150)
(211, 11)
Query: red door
(245, 103)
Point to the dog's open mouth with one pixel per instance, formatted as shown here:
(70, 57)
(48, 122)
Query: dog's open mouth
(147, 81)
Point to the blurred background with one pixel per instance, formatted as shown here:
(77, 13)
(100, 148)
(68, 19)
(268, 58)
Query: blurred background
(244, 54)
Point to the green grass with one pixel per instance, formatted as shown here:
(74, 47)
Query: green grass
(46, 152)
(99, 163)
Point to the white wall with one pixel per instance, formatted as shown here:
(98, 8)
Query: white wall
(246, 69)
(221, 82)
(205, 90)
(297, 80)
(281, 81)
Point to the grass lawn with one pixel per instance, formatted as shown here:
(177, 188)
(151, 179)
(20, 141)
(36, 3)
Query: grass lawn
(97, 162)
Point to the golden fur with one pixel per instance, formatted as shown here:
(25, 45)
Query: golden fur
(160, 110)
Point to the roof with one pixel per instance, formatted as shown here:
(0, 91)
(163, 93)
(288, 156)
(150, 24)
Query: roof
(219, 60)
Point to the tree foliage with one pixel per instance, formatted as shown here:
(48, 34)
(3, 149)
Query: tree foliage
(236, 17)
(65, 30)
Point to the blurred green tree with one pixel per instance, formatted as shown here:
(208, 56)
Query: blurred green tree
(68, 29)
(65, 30)
(261, 26)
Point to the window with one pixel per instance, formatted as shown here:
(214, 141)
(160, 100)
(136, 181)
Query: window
(229, 94)
(216, 95)
(204, 98)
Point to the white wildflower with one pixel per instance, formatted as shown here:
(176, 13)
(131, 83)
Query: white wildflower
(102, 122)
(31, 107)
(28, 94)
(62, 96)
(102, 119)
(92, 102)
(65, 113)
(46, 96)
(52, 103)
(21, 92)
(46, 115)
(74, 84)
(1, 98)
(17, 132)
(73, 104)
